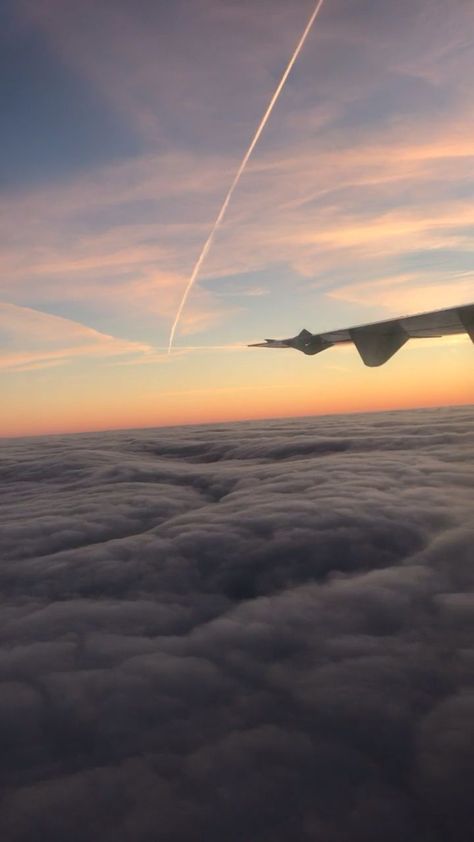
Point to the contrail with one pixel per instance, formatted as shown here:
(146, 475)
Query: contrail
(240, 170)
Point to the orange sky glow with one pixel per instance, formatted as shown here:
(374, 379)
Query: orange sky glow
(356, 206)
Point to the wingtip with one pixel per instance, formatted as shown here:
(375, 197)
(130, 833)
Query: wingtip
(270, 343)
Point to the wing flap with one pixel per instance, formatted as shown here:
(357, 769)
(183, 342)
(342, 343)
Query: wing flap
(377, 343)
(466, 315)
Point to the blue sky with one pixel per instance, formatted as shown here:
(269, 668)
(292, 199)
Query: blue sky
(126, 123)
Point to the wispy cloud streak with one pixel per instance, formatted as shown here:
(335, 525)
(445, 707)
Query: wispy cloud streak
(240, 171)
(35, 339)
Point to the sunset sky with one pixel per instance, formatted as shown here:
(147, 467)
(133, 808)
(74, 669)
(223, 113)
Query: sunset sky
(124, 124)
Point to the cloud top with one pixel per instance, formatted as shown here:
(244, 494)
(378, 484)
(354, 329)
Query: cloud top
(250, 631)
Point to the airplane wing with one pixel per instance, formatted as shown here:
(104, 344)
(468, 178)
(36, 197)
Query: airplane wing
(379, 341)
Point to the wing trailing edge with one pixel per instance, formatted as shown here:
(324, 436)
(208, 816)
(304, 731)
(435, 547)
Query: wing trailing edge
(378, 342)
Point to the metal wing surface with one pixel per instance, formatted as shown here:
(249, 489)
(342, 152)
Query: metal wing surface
(379, 341)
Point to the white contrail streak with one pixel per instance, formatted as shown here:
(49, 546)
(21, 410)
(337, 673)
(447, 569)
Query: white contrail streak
(240, 170)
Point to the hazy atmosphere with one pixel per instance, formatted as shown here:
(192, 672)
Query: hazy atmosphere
(259, 631)
(126, 123)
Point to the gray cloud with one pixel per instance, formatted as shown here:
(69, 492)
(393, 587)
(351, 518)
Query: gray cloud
(250, 631)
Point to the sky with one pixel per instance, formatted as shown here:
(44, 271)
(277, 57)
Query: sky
(254, 631)
(126, 123)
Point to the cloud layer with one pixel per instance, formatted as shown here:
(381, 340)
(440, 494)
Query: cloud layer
(253, 631)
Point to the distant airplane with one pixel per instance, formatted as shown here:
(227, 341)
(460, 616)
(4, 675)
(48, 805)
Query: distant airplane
(379, 341)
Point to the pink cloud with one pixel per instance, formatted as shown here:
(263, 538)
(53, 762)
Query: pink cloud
(36, 339)
(316, 199)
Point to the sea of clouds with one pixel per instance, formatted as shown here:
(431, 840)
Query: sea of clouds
(240, 633)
